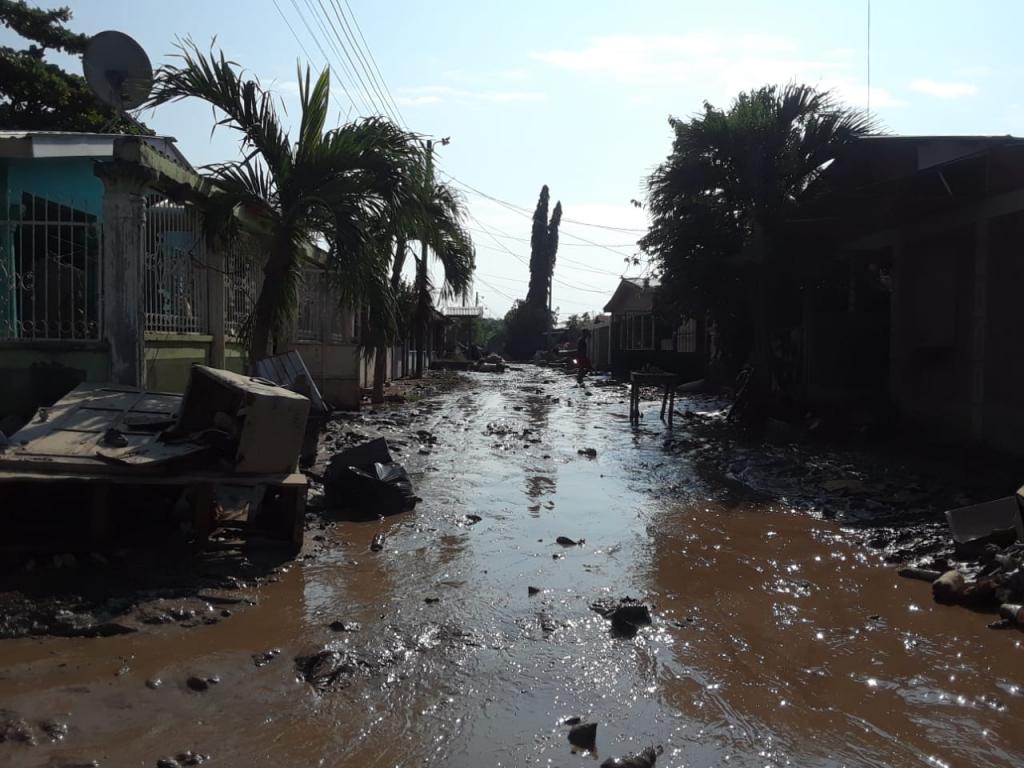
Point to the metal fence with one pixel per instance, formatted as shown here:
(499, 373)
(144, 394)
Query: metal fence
(243, 277)
(175, 261)
(312, 294)
(50, 278)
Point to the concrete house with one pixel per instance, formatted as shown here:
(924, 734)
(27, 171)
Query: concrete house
(931, 252)
(106, 275)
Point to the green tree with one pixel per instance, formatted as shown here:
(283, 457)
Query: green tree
(37, 95)
(722, 207)
(328, 188)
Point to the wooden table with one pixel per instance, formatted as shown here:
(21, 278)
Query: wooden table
(668, 382)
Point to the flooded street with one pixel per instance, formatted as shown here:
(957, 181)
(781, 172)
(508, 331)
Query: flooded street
(777, 639)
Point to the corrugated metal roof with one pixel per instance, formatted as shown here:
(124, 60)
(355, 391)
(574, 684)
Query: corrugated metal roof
(83, 144)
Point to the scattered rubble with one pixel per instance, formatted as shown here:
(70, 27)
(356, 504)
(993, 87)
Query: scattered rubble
(644, 759)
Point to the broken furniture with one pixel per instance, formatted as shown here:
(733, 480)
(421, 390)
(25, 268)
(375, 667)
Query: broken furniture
(289, 370)
(666, 381)
(997, 522)
(264, 423)
(97, 441)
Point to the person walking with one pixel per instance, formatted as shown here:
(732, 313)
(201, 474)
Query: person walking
(582, 360)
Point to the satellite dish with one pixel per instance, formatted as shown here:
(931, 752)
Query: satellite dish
(117, 70)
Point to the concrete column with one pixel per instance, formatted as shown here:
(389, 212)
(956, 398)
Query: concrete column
(215, 304)
(979, 325)
(124, 246)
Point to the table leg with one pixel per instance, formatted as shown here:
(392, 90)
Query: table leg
(664, 403)
(671, 406)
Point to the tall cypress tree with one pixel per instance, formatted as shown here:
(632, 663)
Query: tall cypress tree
(543, 247)
(552, 244)
(536, 294)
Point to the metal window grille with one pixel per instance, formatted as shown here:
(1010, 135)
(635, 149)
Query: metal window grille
(686, 337)
(175, 261)
(50, 262)
(243, 278)
(637, 331)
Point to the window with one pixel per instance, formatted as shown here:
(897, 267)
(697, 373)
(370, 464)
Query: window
(686, 336)
(49, 271)
(636, 331)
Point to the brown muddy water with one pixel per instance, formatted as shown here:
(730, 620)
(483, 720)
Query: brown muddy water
(777, 638)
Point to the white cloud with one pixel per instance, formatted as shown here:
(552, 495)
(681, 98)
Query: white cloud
(722, 65)
(943, 90)
(436, 94)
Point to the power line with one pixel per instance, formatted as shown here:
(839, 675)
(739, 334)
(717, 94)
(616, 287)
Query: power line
(337, 60)
(527, 211)
(581, 268)
(564, 245)
(496, 290)
(310, 58)
(524, 213)
(350, 36)
(582, 287)
(373, 60)
(327, 59)
(343, 55)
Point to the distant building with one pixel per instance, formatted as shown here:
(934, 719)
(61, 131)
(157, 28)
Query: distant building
(639, 334)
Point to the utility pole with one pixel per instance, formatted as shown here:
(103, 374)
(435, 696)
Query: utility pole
(421, 279)
(423, 297)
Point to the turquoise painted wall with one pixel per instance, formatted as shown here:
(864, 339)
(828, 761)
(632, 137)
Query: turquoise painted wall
(66, 180)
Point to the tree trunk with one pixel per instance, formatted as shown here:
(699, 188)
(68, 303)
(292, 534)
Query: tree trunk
(380, 361)
(269, 300)
(422, 312)
(379, 373)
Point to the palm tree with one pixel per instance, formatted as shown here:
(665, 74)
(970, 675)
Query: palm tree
(445, 235)
(723, 203)
(436, 218)
(323, 189)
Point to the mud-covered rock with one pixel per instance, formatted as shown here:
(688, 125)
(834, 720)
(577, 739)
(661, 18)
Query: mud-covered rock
(262, 659)
(15, 729)
(331, 669)
(584, 736)
(646, 758)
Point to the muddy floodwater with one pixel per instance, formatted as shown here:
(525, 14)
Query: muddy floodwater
(777, 638)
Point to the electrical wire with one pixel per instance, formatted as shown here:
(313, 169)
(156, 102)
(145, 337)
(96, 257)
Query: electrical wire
(343, 55)
(350, 36)
(338, 63)
(528, 212)
(373, 60)
(310, 58)
(580, 287)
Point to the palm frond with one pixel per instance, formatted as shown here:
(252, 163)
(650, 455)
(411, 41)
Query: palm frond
(243, 103)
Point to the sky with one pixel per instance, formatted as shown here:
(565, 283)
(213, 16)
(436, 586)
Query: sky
(576, 94)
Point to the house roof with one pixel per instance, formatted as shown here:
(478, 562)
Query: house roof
(40, 144)
(631, 291)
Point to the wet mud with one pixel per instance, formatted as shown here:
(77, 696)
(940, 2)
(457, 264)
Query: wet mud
(719, 604)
